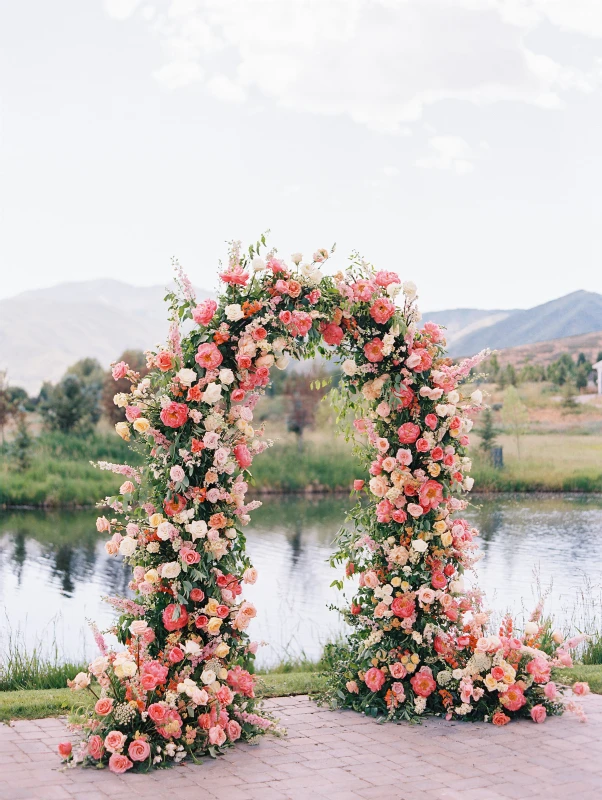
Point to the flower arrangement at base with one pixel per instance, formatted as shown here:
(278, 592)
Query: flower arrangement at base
(182, 685)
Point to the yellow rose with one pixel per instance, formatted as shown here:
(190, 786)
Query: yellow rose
(211, 607)
(152, 576)
(396, 581)
(214, 625)
(434, 470)
(155, 520)
(440, 526)
(415, 658)
(222, 650)
(123, 430)
(223, 674)
(411, 667)
(490, 682)
(141, 425)
(446, 538)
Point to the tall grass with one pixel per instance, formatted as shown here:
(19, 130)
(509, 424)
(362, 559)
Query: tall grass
(328, 465)
(38, 667)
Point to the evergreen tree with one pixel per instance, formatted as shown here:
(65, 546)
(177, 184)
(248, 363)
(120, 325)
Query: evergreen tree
(22, 443)
(487, 433)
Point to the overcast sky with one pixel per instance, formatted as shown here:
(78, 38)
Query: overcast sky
(455, 141)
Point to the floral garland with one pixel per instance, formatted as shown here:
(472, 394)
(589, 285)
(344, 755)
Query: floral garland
(183, 683)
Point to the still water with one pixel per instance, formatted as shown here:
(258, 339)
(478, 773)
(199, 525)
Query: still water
(54, 570)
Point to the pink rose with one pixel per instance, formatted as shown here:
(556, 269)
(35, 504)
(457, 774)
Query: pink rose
(332, 334)
(175, 655)
(374, 350)
(120, 370)
(538, 713)
(189, 556)
(65, 749)
(104, 706)
(132, 413)
(397, 670)
(139, 750)
(374, 679)
(550, 690)
(157, 712)
(114, 741)
(581, 688)
(95, 747)
(177, 474)
(233, 730)
(119, 764)
(358, 485)
(217, 735)
(103, 525)
(148, 682)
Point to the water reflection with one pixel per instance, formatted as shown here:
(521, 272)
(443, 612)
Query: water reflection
(53, 565)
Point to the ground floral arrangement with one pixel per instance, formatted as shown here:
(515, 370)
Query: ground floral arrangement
(183, 685)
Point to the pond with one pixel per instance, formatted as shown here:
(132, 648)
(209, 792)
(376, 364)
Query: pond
(54, 570)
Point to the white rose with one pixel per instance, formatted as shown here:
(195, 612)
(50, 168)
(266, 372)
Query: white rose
(468, 483)
(171, 570)
(121, 400)
(283, 361)
(208, 676)
(165, 530)
(558, 637)
(297, 258)
(477, 397)
(531, 628)
(234, 312)
(226, 376)
(186, 376)
(419, 545)
(409, 289)
(192, 648)
(258, 264)
(212, 393)
(393, 289)
(126, 669)
(266, 360)
(453, 397)
(197, 529)
(457, 586)
(349, 367)
(81, 680)
(127, 546)
(457, 674)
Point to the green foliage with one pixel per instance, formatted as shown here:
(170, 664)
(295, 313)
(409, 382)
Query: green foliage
(487, 432)
(22, 444)
(515, 415)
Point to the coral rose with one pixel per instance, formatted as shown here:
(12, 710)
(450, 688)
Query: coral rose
(139, 750)
(423, 683)
(408, 433)
(208, 356)
(499, 718)
(174, 415)
(538, 713)
(104, 706)
(114, 741)
(170, 621)
(65, 749)
(95, 747)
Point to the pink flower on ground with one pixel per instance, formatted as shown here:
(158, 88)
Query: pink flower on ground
(95, 747)
(550, 690)
(65, 749)
(374, 679)
(119, 763)
(217, 735)
(581, 688)
(114, 741)
(538, 713)
(234, 730)
(513, 698)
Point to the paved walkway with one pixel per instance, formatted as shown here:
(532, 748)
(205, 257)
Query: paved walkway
(339, 756)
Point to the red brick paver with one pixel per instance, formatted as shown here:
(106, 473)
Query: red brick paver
(335, 755)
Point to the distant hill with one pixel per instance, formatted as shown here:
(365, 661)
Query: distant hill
(43, 331)
(572, 315)
(544, 353)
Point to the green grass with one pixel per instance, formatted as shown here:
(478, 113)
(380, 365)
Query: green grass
(60, 474)
(326, 465)
(39, 703)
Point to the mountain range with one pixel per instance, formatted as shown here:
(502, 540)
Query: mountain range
(44, 331)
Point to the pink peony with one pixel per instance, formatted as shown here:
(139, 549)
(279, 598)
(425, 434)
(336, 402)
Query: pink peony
(403, 606)
(204, 312)
(382, 310)
(208, 356)
(174, 415)
(550, 690)
(332, 334)
(423, 683)
(139, 750)
(513, 698)
(538, 713)
(374, 679)
(384, 278)
(408, 433)
(374, 350)
(581, 688)
(431, 494)
(243, 456)
(170, 621)
(119, 764)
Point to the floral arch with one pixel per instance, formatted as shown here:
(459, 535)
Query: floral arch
(183, 684)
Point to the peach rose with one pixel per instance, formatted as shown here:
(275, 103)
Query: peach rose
(114, 741)
(65, 749)
(538, 713)
(104, 706)
(119, 763)
(95, 747)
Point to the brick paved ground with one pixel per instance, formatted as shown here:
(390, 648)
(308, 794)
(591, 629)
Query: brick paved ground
(339, 756)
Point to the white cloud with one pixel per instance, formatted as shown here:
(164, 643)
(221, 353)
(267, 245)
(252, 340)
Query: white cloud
(121, 9)
(448, 153)
(379, 62)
